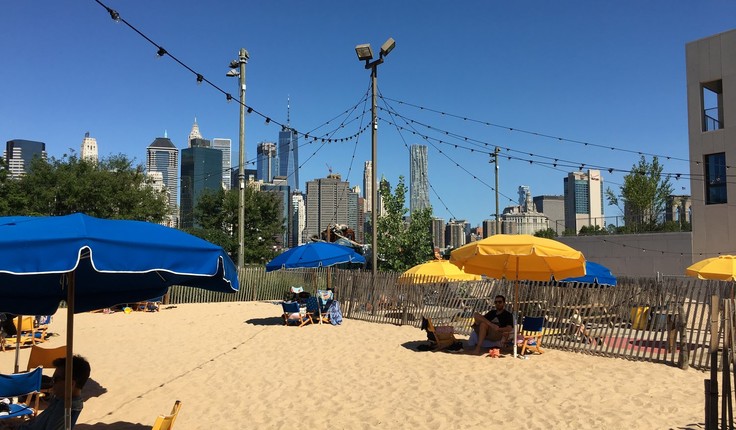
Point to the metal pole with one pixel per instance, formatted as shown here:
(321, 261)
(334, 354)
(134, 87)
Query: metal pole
(242, 60)
(374, 173)
(495, 162)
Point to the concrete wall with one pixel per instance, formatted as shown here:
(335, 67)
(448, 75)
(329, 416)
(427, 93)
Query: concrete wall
(624, 256)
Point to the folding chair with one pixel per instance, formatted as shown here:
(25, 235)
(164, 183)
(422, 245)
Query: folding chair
(44, 358)
(166, 422)
(26, 384)
(441, 337)
(325, 298)
(292, 313)
(532, 329)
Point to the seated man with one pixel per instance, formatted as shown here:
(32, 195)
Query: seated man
(52, 418)
(495, 324)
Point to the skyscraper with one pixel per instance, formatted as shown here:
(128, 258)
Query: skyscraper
(438, 232)
(419, 181)
(194, 134)
(201, 171)
(289, 156)
(298, 219)
(583, 200)
(281, 190)
(368, 185)
(267, 164)
(327, 203)
(89, 148)
(163, 156)
(19, 153)
(224, 145)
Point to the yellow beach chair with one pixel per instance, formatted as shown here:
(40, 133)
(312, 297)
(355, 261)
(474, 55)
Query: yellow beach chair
(166, 422)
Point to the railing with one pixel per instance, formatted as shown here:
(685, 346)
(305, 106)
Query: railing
(710, 123)
(641, 319)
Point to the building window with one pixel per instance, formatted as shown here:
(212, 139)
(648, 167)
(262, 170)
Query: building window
(712, 103)
(715, 179)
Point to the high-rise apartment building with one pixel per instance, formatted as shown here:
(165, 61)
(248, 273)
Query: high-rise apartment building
(19, 153)
(224, 145)
(298, 219)
(438, 233)
(88, 150)
(583, 200)
(267, 163)
(163, 156)
(327, 203)
(289, 156)
(194, 134)
(455, 235)
(201, 171)
(368, 185)
(553, 207)
(419, 181)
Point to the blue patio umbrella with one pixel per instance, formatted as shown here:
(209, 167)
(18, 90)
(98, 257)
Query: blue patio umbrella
(94, 263)
(594, 274)
(315, 254)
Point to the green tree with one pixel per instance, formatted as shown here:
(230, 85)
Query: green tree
(402, 244)
(216, 215)
(643, 195)
(548, 233)
(112, 188)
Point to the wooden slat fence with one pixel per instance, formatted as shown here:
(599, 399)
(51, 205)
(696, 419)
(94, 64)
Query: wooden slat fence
(642, 319)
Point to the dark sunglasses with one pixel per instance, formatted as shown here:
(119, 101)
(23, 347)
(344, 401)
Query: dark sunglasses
(498, 302)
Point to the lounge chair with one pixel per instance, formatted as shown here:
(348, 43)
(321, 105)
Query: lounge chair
(325, 298)
(28, 332)
(166, 422)
(25, 384)
(441, 337)
(44, 358)
(292, 314)
(532, 329)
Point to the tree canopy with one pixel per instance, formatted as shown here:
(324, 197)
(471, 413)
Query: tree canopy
(112, 188)
(402, 244)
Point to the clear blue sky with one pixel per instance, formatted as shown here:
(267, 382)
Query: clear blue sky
(608, 73)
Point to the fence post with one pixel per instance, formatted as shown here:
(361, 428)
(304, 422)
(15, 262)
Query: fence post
(683, 360)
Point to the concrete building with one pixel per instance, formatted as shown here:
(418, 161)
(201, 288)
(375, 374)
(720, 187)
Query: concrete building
(553, 207)
(711, 111)
(280, 187)
(455, 235)
(326, 203)
(368, 185)
(163, 156)
(298, 219)
(438, 233)
(583, 200)
(267, 162)
(201, 171)
(225, 146)
(88, 151)
(678, 209)
(19, 153)
(418, 178)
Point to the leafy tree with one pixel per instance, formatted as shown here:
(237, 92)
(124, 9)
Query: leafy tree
(112, 188)
(216, 215)
(644, 194)
(549, 233)
(401, 244)
(592, 230)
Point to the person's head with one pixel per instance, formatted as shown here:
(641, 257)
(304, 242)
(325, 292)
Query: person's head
(80, 374)
(499, 302)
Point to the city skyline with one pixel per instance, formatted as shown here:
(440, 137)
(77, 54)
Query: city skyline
(612, 76)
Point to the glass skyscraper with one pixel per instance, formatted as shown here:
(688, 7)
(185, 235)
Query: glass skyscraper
(201, 170)
(163, 156)
(289, 156)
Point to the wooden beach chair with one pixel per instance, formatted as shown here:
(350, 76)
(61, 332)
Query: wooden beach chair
(28, 333)
(44, 358)
(166, 422)
(292, 314)
(441, 337)
(532, 329)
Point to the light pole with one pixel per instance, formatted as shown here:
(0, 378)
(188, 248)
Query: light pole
(365, 53)
(495, 163)
(240, 73)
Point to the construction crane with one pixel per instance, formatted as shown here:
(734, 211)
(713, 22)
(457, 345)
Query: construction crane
(329, 168)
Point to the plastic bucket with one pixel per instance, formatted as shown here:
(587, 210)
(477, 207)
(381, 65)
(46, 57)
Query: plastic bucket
(639, 317)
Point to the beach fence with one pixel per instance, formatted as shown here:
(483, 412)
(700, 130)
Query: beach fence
(664, 320)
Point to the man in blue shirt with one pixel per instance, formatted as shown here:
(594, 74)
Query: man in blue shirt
(495, 324)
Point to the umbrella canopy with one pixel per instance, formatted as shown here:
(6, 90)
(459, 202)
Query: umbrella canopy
(314, 254)
(519, 256)
(595, 274)
(93, 263)
(722, 268)
(436, 269)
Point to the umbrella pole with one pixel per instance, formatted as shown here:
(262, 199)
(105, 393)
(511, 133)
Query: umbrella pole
(17, 341)
(516, 305)
(69, 352)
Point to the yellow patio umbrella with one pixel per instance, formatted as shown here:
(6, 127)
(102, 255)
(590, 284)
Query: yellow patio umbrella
(437, 269)
(722, 268)
(519, 257)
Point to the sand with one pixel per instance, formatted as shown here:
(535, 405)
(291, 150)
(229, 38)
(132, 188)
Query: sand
(235, 366)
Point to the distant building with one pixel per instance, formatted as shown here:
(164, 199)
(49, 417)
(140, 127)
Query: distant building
(298, 219)
(711, 98)
(289, 156)
(553, 207)
(489, 227)
(419, 181)
(368, 185)
(201, 171)
(224, 145)
(455, 235)
(438, 233)
(281, 189)
(583, 200)
(267, 163)
(19, 153)
(250, 176)
(88, 150)
(326, 203)
(679, 209)
(194, 134)
(163, 156)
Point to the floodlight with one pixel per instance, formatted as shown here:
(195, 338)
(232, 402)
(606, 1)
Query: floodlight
(388, 46)
(364, 52)
(234, 64)
(232, 73)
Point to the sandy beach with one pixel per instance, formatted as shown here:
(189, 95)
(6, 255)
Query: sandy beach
(235, 366)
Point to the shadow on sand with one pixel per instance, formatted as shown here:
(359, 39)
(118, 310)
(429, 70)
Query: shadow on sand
(120, 425)
(92, 389)
(266, 321)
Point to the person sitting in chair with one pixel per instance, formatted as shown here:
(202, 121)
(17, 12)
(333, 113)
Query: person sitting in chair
(495, 324)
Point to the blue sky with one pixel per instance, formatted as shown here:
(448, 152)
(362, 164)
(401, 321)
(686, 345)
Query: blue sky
(608, 73)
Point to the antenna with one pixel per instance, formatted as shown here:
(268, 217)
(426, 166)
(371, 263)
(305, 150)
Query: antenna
(288, 110)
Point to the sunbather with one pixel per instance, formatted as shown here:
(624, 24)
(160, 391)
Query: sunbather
(577, 328)
(494, 325)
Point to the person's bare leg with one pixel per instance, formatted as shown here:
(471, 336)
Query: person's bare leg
(482, 333)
